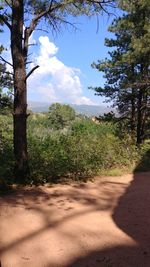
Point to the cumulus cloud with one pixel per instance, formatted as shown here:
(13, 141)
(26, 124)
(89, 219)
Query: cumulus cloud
(53, 81)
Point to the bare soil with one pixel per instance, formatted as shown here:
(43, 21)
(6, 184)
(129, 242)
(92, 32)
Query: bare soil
(95, 224)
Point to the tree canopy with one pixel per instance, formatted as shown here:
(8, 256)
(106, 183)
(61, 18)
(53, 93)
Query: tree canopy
(60, 115)
(5, 82)
(127, 68)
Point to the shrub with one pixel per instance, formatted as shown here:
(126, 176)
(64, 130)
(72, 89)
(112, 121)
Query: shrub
(75, 152)
(6, 148)
(78, 153)
(143, 163)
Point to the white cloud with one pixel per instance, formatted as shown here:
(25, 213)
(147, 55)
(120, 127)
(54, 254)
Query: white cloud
(53, 81)
(47, 48)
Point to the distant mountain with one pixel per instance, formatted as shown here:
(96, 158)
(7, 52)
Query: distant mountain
(88, 110)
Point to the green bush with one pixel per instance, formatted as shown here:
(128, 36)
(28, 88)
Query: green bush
(143, 163)
(61, 115)
(6, 148)
(78, 151)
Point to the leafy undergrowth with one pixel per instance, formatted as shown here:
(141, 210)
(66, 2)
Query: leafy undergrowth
(77, 152)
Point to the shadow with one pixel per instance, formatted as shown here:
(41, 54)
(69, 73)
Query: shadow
(51, 208)
(132, 212)
(132, 216)
(144, 164)
(74, 218)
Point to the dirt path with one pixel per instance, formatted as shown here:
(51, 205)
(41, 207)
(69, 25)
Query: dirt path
(105, 223)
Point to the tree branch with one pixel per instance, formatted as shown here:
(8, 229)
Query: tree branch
(7, 72)
(4, 19)
(54, 6)
(6, 61)
(29, 30)
(35, 20)
(8, 4)
(31, 71)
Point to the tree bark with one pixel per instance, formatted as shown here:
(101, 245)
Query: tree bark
(139, 117)
(144, 113)
(142, 105)
(133, 103)
(133, 112)
(20, 92)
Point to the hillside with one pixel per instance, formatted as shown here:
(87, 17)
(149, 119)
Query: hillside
(88, 110)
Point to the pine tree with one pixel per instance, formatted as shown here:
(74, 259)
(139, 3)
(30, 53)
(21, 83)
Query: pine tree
(5, 82)
(127, 68)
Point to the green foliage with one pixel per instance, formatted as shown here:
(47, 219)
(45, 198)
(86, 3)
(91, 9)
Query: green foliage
(109, 117)
(5, 82)
(127, 68)
(6, 148)
(81, 151)
(60, 116)
(5, 102)
(78, 152)
(144, 157)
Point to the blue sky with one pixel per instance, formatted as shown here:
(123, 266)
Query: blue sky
(65, 62)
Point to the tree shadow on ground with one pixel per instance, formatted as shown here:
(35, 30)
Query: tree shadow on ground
(56, 207)
(47, 203)
(49, 210)
(132, 216)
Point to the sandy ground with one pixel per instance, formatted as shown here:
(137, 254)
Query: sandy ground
(104, 223)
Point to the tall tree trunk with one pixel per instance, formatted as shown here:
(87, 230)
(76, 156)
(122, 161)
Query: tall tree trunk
(142, 104)
(20, 92)
(133, 104)
(133, 112)
(144, 113)
(139, 117)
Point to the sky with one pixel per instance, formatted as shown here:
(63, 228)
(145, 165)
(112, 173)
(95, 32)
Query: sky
(65, 59)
